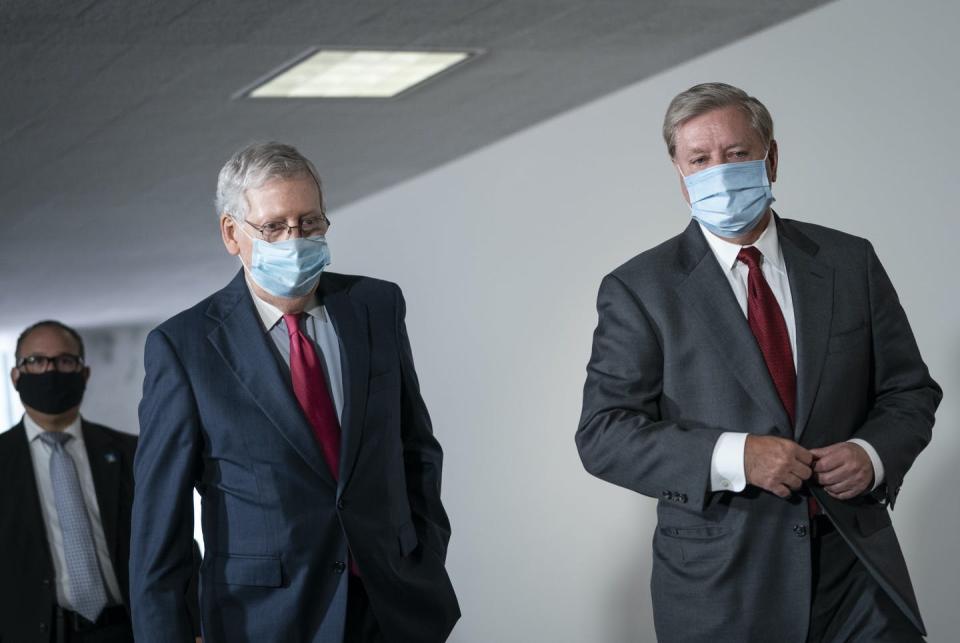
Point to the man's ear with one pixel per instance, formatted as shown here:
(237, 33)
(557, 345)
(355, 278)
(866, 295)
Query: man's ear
(773, 160)
(228, 232)
(86, 373)
(14, 376)
(683, 185)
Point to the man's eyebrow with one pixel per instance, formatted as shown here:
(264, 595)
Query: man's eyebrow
(698, 150)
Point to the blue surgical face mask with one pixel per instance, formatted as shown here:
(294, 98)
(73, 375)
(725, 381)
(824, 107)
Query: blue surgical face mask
(289, 268)
(730, 199)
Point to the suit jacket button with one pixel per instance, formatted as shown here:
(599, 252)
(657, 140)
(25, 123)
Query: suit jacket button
(45, 582)
(43, 627)
(800, 531)
(339, 567)
(682, 498)
(340, 503)
(667, 495)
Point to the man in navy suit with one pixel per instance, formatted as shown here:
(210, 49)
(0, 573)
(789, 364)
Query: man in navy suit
(289, 400)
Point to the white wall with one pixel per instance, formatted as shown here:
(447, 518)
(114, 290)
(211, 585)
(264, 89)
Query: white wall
(115, 357)
(501, 252)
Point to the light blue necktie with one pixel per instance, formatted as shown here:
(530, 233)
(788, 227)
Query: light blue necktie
(86, 582)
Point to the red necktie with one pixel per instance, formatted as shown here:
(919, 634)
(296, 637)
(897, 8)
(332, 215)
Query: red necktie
(768, 326)
(310, 388)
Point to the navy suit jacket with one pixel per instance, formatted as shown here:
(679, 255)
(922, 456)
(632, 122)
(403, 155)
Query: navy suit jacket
(218, 414)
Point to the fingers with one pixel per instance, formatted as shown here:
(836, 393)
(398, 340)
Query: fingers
(844, 492)
(834, 476)
(846, 485)
(782, 490)
(792, 481)
(828, 458)
(776, 464)
(780, 466)
(801, 470)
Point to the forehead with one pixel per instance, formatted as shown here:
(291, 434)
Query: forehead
(48, 340)
(283, 197)
(721, 127)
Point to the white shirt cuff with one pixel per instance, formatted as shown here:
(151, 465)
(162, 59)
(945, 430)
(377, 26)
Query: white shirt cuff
(726, 465)
(878, 472)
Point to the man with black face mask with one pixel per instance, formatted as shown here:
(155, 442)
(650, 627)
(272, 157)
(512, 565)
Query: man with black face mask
(65, 508)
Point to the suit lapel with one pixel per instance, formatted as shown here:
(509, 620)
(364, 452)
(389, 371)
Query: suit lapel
(707, 293)
(811, 288)
(105, 467)
(242, 343)
(351, 323)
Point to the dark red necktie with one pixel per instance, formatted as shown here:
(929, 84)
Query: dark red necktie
(310, 388)
(768, 326)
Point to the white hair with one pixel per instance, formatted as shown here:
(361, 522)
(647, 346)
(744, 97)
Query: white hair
(706, 97)
(255, 165)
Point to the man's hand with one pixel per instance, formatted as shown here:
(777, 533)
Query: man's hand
(843, 470)
(778, 465)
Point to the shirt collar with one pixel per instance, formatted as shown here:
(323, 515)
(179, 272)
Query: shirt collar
(270, 314)
(34, 430)
(768, 244)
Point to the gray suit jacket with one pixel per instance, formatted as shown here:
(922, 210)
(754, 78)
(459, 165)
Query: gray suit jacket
(674, 365)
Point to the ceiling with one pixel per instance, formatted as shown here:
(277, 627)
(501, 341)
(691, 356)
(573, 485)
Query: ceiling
(115, 117)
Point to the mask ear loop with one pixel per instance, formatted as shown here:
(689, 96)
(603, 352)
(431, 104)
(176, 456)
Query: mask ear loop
(245, 233)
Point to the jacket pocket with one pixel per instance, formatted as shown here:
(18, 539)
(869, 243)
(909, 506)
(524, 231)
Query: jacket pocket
(407, 536)
(233, 569)
(701, 543)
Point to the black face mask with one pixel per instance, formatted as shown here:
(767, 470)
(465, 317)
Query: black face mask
(52, 392)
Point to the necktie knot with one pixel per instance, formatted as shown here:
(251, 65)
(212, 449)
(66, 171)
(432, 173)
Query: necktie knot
(55, 438)
(750, 256)
(292, 320)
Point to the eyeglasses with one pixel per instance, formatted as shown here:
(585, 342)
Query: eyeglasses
(65, 363)
(308, 227)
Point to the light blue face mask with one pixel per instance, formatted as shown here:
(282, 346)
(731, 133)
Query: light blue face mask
(289, 268)
(730, 199)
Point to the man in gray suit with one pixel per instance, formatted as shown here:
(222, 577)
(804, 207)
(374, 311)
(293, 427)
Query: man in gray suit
(759, 377)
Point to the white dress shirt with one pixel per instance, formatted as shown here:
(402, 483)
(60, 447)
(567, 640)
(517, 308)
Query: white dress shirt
(726, 466)
(319, 328)
(40, 453)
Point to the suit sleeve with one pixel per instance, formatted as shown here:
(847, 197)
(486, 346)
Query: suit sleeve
(900, 421)
(622, 438)
(422, 455)
(165, 469)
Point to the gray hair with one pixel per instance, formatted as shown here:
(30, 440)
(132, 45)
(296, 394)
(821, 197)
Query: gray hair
(255, 165)
(706, 97)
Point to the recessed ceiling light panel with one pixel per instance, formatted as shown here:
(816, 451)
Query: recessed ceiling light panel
(338, 73)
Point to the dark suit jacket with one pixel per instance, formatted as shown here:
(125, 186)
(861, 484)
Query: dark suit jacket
(27, 585)
(218, 413)
(674, 365)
